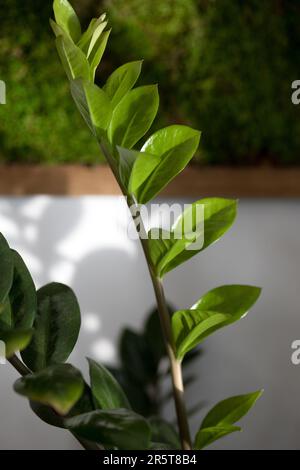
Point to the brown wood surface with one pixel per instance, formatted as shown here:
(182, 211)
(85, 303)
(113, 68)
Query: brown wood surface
(73, 180)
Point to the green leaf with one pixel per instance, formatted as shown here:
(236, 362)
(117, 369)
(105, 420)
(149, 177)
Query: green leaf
(92, 34)
(175, 146)
(97, 52)
(207, 436)
(119, 428)
(67, 19)
(56, 327)
(200, 225)
(122, 80)
(135, 167)
(7, 270)
(164, 432)
(107, 392)
(231, 410)
(15, 340)
(220, 419)
(58, 386)
(93, 104)
(218, 308)
(133, 116)
(73, 59)
(22, 296)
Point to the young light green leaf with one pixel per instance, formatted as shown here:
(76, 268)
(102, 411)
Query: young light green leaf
(135, 167)
(175, 145)
(200, 225)
(119, 428)
(67, 19)
(122, 80)
(107, 393)
(94, 30)
(15, 340)
(93, 104)
(97, 52)
(133, 116)
(22, 296)
(207, 436)
(7, 270)
(56, 327)
(220, 419)
(218, 308)
(59, 386)
(72, 58)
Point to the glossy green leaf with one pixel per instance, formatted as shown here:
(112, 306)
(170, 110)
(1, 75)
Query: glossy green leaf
(15, 340)
(218, 308)
(200, 225)
(59, 386)
(135, 167)
(122, 80)
(207, 436)
(22, 296)
(221, 418)
(56, 327)
(133, 116)
(119, 428)
(107, 393)
(175, 146)
(93, 32)
(97, 52)
(93, 104)
(67, 19)
(6, 269)
(73, 59)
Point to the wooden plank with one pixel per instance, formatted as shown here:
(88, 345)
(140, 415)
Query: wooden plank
(195, 181)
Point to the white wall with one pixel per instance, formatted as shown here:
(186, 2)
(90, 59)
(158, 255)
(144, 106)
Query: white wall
(83, 242)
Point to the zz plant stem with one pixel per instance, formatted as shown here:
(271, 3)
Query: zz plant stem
(44, 324)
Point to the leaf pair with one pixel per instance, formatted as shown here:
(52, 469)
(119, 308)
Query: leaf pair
(200, 225)
(220, 420)
(218, 308)
(79, 54)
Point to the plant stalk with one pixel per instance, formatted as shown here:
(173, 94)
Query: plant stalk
(175, 364)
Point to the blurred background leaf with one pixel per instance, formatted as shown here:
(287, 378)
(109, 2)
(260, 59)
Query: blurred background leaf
(224, 67)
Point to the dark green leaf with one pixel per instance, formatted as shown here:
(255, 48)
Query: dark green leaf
(93, 104)
(175, 146)
(107, 392)
(7, 269)
(207, 436)
(15, 340)
(162, 431)
(56, 327)
(200, 225)
(133, 116)
(218, 308)
(58, 386)
(122, 80)
(22, 295)
(67, 19)
(120, 428)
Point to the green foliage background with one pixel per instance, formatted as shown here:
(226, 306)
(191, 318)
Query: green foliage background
(223, 66)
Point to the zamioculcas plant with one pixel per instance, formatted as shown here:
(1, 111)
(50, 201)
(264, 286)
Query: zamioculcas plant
(45, 324)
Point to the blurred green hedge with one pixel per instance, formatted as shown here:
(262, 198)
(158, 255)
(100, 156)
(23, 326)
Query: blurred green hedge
(223, 66)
